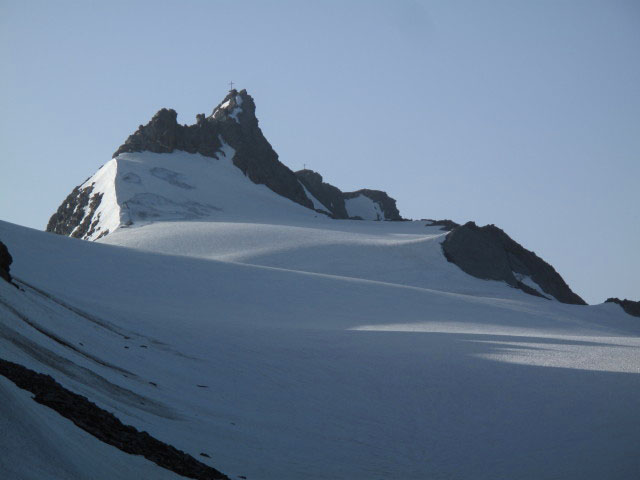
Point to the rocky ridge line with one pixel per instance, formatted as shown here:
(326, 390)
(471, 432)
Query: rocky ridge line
(334, 199)
(489, 253)
(629, 306)
(104, 425)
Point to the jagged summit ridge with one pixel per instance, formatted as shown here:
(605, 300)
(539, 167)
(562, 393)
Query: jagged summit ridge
(234, 120)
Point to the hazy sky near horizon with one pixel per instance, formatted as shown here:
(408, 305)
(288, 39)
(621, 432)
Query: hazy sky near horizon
(522, 114)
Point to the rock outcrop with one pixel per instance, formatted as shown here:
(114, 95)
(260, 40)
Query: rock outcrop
(104, 425)
(489, 253)
(5, 262)
(334, 199)
(330, 196)
(629, 306)
(445, 225)
(71, 218)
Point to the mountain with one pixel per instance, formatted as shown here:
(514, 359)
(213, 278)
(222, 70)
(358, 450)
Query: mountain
(217, 169)
(219, 324)
(125, 191)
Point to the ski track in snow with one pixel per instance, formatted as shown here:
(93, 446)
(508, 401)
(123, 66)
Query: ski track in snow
(288, 345)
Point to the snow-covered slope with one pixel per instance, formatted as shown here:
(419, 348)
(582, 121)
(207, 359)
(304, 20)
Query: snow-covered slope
(311, 348)
(223, 312)
(143, 187)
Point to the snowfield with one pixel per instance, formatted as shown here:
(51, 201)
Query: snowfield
(288, 345)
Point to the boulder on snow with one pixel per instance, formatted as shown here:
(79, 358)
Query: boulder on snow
(629, 306)
(489, 253)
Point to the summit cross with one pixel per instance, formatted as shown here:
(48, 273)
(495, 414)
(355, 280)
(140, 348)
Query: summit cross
(230, 86)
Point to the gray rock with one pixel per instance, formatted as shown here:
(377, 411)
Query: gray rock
(489, 253)
(72, 218)
(446, 225)
(104, 425)
(330, 196)
(629, 306)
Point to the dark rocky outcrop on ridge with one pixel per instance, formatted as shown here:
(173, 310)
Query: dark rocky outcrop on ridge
(629, 306)
(233, 121)
(104, 425)
(489, 253)
(333, 198)
(330, 196)
(446, 225)
(386, 203)
(5, 262)
(72, 218)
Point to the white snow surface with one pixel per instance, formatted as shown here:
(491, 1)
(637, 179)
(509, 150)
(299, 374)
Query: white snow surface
(529, 282)
(108, 212)
(288, 345)
(146, 187)
(363, 207)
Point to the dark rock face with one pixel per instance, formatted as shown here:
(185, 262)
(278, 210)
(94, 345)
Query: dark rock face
(104, 425)
(332, 198)
(489, 253)
(629, 306)
(446, 225)
(72, 212)
(5, 262)
(233, 121)
(163, 134)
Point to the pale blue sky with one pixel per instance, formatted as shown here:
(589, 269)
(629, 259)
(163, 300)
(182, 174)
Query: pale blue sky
(522, 114)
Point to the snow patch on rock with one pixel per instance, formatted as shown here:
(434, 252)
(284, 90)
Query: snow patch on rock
(316, 203)
(363, 207)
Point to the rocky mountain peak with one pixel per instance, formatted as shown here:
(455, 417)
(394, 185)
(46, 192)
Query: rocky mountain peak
(232, 127)
(238, 107)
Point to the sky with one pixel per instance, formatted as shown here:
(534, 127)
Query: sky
(521, 114)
